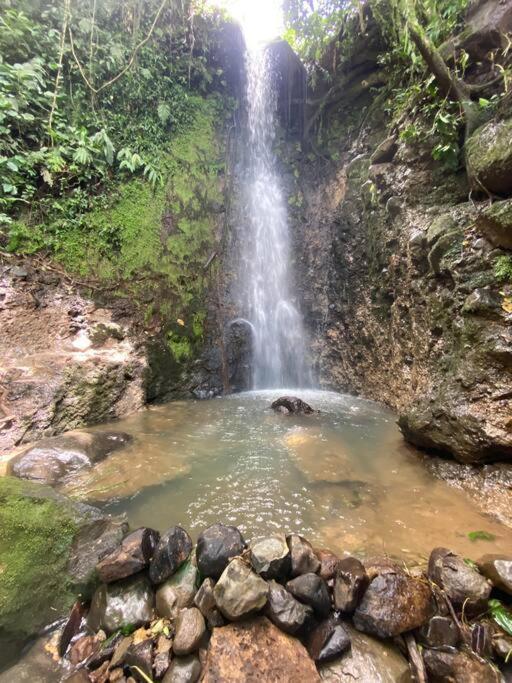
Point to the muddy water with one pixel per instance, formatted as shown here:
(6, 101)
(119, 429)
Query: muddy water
(344, 478)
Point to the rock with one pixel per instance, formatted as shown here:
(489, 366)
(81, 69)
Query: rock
(495, 223)
(368, 661)
(328, 640)
(392, 604)
(482, 302)
(328, 564)
(178, 591)
(302, 556)
(205, 602)
(312, 590)
(140, 655)
(52, 459)
(162, 658)
(126, 603)
(385, 151)
(239, 591)
(293, 405)
(190, 628)
(498, 569)
(132, 556)
(350, 584)
(256, 650)
(183, 670)
(489, 157)
(440, 632)
(215, 547)
(458, 667)
(461, 583)
(119, 651)
(171, 552)
(83, 648)
(270, 557)
(284, 610)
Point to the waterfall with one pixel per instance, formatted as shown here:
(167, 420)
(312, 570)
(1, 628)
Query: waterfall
(278, 337)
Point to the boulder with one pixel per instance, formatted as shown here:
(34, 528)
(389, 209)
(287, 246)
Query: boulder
(461, 583)
(190, 628)
(384, 152)
(239, 591)
(183, 670)
(302, 556)
(216, 547)
(52, 459)
(350, 584)
(178, 591)
(458, 667)
(312, 590)
(292, 405)
(132, 556)
(392, 604)
(171, 552)
(205, 601)
(498, 569)
(489, 158)
(495, 223)
(126, 603)
(328, 640)
(367, 661)
(270, 557)
(256, 650)
(285, 611)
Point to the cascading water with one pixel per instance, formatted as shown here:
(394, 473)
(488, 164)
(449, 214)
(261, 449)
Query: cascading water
(279, 355)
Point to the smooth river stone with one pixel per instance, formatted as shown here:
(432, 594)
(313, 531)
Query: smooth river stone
(285, 611)
(126, 603)
(190, 628)
(270, 557)
(178, 591)
(183, 670)
(131, 557)
(461, 583)
(216, 546)
(313, 591)
(498, 568)
(350, 584)
(239, 591)
(172, 551)
(303, 558)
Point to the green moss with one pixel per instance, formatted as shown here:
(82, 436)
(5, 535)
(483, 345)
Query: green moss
(503, 269)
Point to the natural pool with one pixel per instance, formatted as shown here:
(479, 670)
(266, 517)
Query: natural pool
(344, 477)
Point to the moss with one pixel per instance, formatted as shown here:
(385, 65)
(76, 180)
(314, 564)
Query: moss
(503, 269)
(36, 533)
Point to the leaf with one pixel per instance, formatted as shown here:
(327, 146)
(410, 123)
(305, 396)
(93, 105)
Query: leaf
(180, 322)
(506, 304)
(471, 564)
(501, 615)
(164, 112)
(481, 536)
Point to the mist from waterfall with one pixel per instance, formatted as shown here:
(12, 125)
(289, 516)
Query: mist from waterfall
(278, 336)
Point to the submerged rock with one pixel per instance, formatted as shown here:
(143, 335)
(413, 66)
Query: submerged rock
(270, 557)
(239, 591)
(190, 628)
(285, 611)
(126, 603)
(256, 650)
(171, 552)
(350, 584)
(132, 556)
(216, 546)
(312, 590)
(302, 556)
(461, 583)
(292, 405)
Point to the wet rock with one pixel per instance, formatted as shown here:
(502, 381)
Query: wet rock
(328, 564)
(458, 667)
(183, 670)
(205, 601)
(127, 603)
(215, 547)
(140, 655)
(52, 459)
(392, 604)
(240, 591)
(190, 628)
(328, 640)
(83, 648)
(461, 583)
(440, 632)
(502, 646)
(119, 651)
(171, 552)
(284, 610)
(270, 557)
(350, 584)
(489, 157)
(293, 405)
(302, 556)
(312, 590)
(133, 555)
(368, 661)
(498, 569)
(178, 591)
(162, 658)
(256, 650)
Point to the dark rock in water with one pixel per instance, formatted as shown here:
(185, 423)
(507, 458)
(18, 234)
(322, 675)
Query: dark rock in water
(205, 601)
(172, 551)
(392, 604)
(293, 405)
(312, 590)
(190, 628)
(284, 610)
(52, 459)
(132, 556)
(239, 591)
(140, 655)
(303, 558)
(328, 640)
(127, 603)
(178, 591)
(350, 584)
(72, 626)
(440, 632)
(183, 670)
(270, 557)
(498, 569)
(328, 564)
(256, 650)
(458, 667)
(461, 583)
(215, 547)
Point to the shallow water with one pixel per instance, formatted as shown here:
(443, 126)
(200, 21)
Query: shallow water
(344, 477)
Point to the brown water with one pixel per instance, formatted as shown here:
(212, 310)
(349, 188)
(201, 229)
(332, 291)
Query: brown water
(344, 478)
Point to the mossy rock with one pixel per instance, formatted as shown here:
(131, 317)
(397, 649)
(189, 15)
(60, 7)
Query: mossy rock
(444, 237)
(489, 158)
(495, 222)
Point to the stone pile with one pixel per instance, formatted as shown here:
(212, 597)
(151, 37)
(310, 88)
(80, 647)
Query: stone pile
(279, 610)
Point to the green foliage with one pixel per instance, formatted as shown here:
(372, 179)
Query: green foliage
(480, 536)
(503, 268)
(501, 615)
